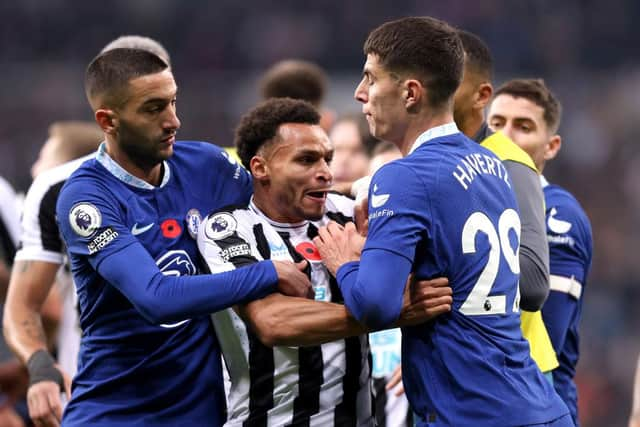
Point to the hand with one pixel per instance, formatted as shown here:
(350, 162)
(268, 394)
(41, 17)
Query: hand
(338, 245)
(396, 380)
(45, 405)
(360, 191)
(292, 281)
(361, 216)
(424, 300)
(634, 421)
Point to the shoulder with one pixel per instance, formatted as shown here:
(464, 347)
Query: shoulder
(507, 150)
(200, 152)
(561, 205)
(207, 158)
(51, 181)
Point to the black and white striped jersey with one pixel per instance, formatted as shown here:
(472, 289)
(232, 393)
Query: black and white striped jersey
(9, 221)
(40, 241)
(324, 385)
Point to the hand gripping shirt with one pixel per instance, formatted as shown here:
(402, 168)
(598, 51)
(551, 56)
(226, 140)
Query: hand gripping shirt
(322, 385)
(148, 354)
(448, 209)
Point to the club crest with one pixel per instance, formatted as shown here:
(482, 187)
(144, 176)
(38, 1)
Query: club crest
(193, 222)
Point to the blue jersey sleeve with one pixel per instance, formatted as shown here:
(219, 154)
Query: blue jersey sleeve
(570, 252)
(398, 220)
(92, 226)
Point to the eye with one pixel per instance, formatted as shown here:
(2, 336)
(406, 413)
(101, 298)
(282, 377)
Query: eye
(495, 124)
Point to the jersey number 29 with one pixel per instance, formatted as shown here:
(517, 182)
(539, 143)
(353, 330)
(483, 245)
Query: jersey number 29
(479, 302)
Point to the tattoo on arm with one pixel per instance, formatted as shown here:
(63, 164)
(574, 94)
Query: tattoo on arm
(24, 267)
(32, 326)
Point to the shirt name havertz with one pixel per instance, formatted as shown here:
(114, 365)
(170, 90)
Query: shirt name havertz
(235, 251)
(101, 240)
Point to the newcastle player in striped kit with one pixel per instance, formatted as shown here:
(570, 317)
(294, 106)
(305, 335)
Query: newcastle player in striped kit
(317, 372)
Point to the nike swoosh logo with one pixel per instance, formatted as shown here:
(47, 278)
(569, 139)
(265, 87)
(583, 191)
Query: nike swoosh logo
(378, 200)
(558, 226)
(135, 230)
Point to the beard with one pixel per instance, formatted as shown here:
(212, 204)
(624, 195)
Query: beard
(142, 149)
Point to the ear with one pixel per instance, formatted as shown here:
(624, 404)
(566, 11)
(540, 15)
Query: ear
(483, 95)
(552, 148)
(413, 93)
(259, 168)
(107, 120)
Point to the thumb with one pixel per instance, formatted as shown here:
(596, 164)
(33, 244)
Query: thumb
(301, 265)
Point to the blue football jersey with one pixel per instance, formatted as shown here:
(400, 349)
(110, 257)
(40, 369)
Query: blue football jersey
(448, 209)
(133, 369)
(570, 252)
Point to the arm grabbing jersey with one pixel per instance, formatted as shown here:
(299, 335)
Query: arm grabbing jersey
(133, 255)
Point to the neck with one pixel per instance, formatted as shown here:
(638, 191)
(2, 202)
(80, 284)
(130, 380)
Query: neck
(150, 173)
(270, 206)
(471, 124)
(419, 125)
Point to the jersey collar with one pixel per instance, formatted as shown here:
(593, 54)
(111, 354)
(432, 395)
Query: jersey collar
(275, 224)
(543, 181)
(436, 132)
(116, 170)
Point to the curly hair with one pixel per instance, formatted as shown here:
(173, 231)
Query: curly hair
(261, 124)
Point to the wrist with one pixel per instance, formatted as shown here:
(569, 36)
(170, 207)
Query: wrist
(41, 367)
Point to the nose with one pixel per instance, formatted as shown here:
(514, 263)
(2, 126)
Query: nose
(508, 130)
(324, 172)
(361, 94)
(172, 122)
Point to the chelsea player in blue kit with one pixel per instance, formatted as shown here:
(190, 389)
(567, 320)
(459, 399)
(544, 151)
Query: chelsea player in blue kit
(527, 112)
(446, 209)
(129, 219)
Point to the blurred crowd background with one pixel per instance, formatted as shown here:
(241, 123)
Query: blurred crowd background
(586, 50)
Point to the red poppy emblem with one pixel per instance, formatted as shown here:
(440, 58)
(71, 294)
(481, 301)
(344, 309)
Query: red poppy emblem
(170, 228)
(309, 251)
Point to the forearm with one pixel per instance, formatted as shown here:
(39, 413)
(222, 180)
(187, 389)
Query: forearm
(288, 321)
(162, 299)
(373, 289)
(30, 284)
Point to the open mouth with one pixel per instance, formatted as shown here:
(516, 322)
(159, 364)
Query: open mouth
(318, 195)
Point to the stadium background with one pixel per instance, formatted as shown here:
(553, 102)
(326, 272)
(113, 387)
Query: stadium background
(586, 50)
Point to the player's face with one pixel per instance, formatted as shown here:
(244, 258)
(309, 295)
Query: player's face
(147, 122)
(350, 161)
(381, 92)
(523, 122)
(298, 172)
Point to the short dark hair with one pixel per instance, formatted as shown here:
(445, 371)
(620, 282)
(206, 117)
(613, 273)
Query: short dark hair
(477, 54)
(261, 124)
(139, 42)
(110, 72)
(295, 79)
(536, 91)
(424, 46)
